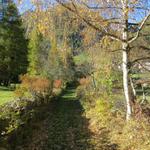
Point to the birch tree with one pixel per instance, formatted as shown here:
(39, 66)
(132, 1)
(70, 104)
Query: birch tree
(119, 15)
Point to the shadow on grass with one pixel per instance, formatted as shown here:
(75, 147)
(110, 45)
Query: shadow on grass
(4, 88)
(67, 128)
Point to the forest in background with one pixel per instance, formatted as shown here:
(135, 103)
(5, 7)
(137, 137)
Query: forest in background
(90, 60)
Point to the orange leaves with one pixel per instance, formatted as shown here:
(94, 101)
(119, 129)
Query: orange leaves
(85, 81)
(57, 83)
(37, 87)
(34, 87)
(39, 84)
(35, 83)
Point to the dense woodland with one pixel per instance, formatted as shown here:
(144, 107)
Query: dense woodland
(75, 75)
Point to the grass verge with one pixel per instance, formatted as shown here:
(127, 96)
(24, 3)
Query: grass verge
(6, 95)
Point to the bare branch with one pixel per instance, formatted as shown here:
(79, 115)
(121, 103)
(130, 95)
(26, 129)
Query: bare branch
(116, 50)
(140, 28)
(104, 30)
(99, 7)
(143, 8)
(140, 46)
(143, 67)
(140, 59)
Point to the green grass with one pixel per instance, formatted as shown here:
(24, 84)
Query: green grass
(142, 75)
(6, 95)
(69, 94)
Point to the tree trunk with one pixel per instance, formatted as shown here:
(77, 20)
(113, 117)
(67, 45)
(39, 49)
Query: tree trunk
(125, 68)
(126, 83)
(144, 95)
(133, 88)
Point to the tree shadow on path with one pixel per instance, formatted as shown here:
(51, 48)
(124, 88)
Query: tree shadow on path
(67, 128)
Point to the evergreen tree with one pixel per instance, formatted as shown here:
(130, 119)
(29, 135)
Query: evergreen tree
(13, 46)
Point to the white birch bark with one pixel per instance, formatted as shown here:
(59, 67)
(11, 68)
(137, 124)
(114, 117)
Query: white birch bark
(133, 88)
(125, 61)
(125, 82)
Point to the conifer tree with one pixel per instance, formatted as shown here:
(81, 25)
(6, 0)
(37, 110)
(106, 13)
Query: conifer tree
(13, 46)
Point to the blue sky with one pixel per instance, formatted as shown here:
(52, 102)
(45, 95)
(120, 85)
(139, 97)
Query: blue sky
(26, 5)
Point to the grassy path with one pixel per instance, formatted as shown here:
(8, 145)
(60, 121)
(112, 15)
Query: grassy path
(66, 128)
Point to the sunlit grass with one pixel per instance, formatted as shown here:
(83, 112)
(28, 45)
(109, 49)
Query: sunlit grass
(6, 95)
(70, 94)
